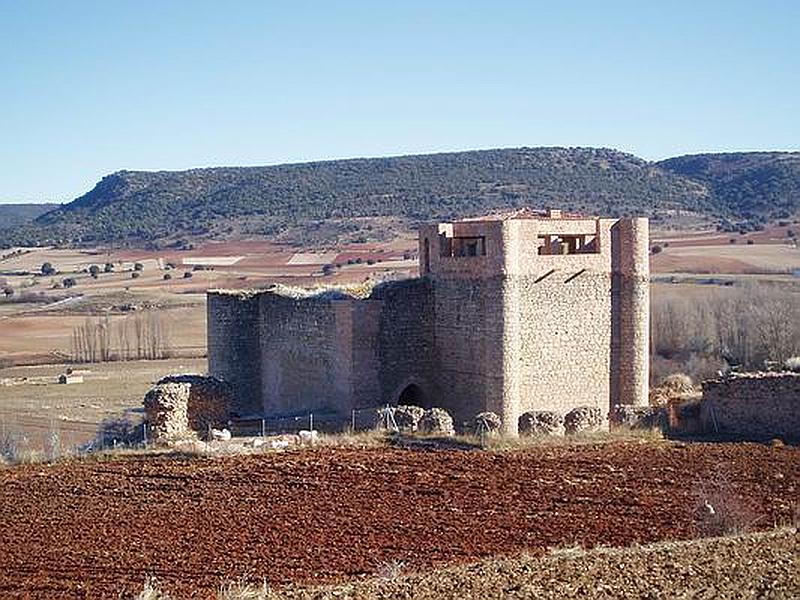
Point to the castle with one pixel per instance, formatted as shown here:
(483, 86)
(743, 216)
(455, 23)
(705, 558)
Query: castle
(512, 313)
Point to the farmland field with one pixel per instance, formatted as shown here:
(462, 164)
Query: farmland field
(90, 528)
(34, 406)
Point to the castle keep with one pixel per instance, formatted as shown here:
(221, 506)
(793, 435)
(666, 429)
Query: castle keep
(509, 314)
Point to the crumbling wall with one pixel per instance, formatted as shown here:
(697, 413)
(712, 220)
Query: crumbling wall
(182, 404)
(753, 406)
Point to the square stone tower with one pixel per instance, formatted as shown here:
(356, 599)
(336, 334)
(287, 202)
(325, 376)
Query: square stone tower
(538, 312)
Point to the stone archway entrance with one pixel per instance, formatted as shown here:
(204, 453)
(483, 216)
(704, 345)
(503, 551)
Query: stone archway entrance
(413, 395)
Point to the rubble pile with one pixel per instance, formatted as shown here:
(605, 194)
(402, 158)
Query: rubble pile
(437, 421)
(486, 422)
(541, 422)
(583, 418)
(638, 417)
(407, 417)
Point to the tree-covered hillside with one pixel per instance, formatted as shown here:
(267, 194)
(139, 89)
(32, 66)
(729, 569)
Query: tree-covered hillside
(14, 215)
(143, 206)
(359, 198)
(756, 186)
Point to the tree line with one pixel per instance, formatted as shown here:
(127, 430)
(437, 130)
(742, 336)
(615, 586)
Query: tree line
(138, 337)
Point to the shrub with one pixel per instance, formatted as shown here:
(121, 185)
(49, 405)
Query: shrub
(656, 249)
(187, 275)
(69, 282)
(138, 267)
(47, 269)
(135, 275)
(167, 276)
(680, 383)
(108, 268)
(94, 271)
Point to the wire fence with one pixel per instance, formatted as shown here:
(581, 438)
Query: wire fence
(360, 419)
(25, 435)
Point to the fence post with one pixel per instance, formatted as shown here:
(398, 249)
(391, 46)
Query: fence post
(144, 434)
(263, 427)
(353, 421)
(311, 421)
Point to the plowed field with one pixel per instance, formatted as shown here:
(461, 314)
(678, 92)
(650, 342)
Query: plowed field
(95, 529)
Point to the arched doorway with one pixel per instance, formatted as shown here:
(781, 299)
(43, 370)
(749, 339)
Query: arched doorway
(413, 395)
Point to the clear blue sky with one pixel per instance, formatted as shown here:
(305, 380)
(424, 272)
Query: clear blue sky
(88, 88)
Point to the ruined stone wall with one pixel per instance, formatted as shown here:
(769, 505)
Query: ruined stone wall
(753, 406)
(182, 405)
(406, 350)
(233, 346)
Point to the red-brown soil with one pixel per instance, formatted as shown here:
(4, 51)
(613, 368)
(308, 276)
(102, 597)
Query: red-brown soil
(89, 529)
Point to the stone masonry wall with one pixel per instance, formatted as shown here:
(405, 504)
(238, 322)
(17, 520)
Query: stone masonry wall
(753, 406)
(502, 329)
(630, 266)
(469, 345)
(406, 351)
(558, 342)
(306, 358)
(233, 347)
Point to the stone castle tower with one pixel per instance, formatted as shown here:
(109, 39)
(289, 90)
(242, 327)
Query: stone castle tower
(515, 313)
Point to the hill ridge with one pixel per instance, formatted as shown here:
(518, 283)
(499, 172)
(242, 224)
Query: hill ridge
(357, 199)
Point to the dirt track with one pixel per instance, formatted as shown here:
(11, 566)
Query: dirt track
(94, 529)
